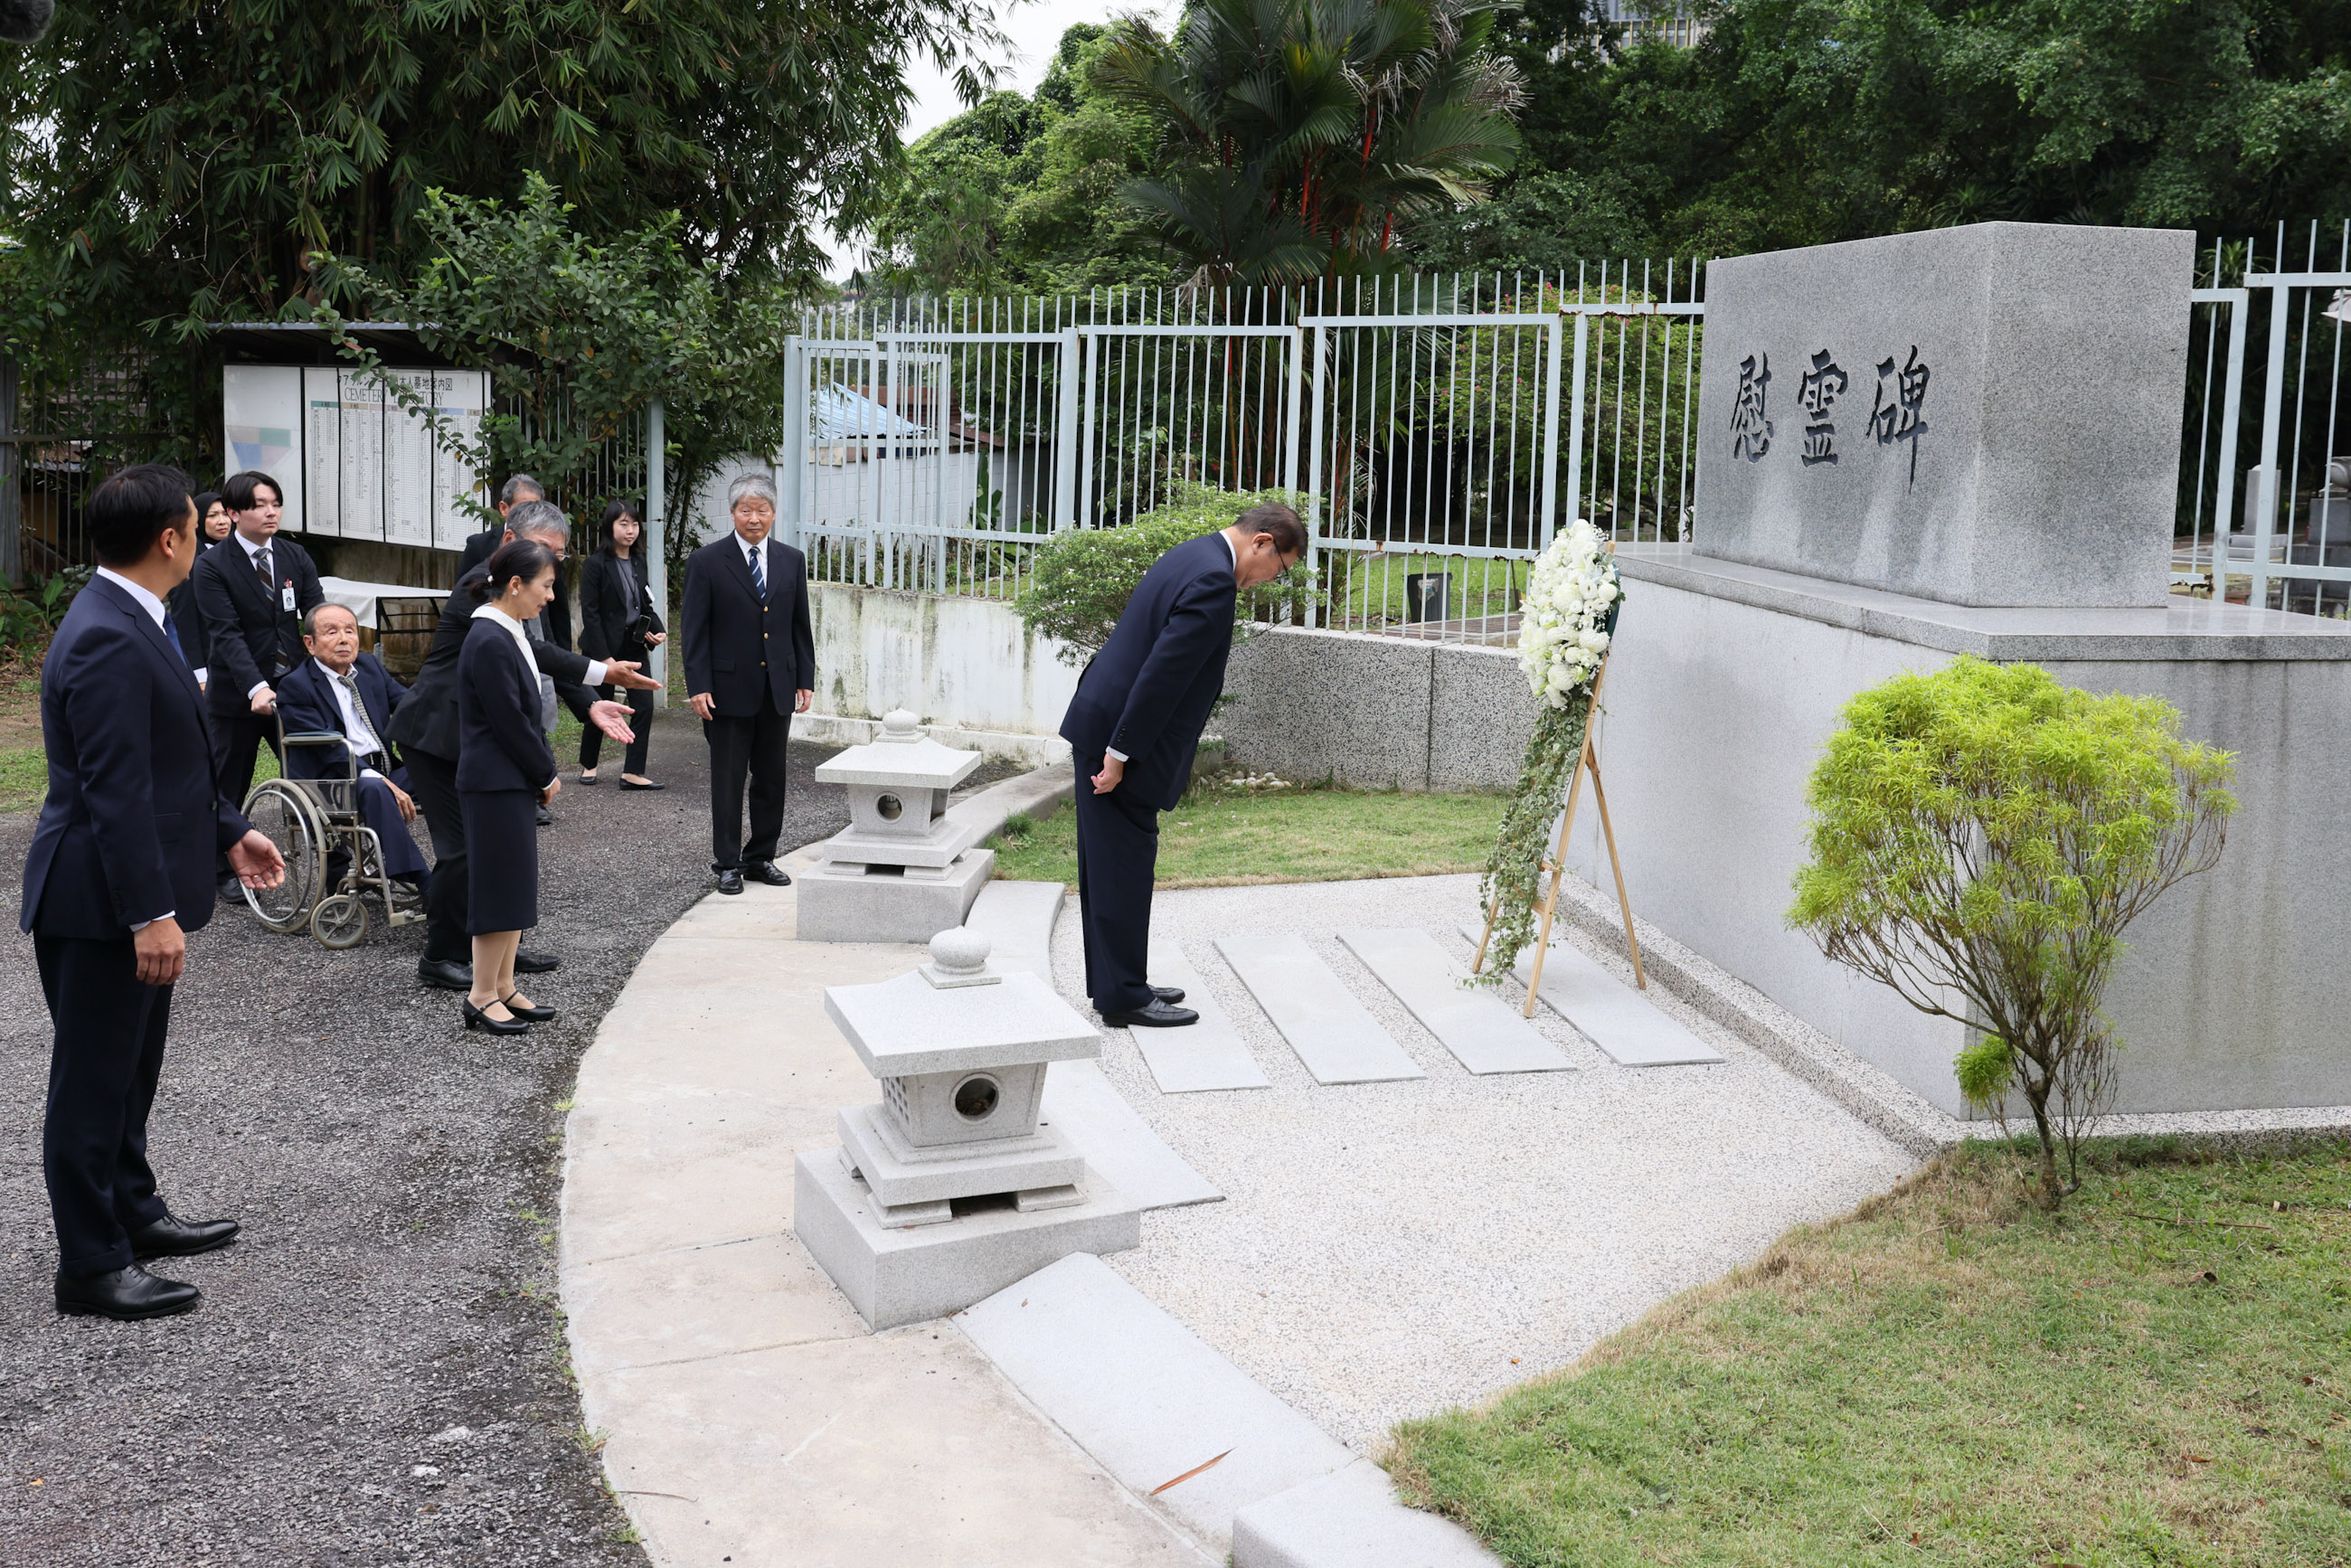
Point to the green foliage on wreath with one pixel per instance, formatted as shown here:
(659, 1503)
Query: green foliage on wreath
(1512, 886)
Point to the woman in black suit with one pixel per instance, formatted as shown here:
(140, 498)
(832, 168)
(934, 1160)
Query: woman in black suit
(506, 771)
(213, 523)
(617, 621)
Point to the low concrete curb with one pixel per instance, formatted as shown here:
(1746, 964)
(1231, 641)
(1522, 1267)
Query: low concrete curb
(1036, 795)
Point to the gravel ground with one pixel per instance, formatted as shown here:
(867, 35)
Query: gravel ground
(376, 1375)
(1388, 1250)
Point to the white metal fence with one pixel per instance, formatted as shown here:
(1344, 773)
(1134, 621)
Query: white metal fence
(1438, 430)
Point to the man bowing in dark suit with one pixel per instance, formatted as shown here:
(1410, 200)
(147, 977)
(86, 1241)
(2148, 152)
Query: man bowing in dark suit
(120, 868)
(750, 665)
(1134, 728)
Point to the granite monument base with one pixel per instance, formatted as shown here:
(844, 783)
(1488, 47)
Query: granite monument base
(899, 1176)
(850, 903)
(898, 1276)
(1727, 679)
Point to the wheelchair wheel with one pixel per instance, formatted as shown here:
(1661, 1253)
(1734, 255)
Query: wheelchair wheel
(286, 816)
(340, 921)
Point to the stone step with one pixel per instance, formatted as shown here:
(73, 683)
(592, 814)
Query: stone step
(1210, 1054)
(1117, 1143)
(1018, 919)
(1338, 1039)
(1350, 1519)
(1609, 1013)
(1484, 1033)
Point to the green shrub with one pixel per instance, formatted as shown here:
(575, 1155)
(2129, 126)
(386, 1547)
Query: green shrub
(29, 616)
(1081, 581)
(1980, 837)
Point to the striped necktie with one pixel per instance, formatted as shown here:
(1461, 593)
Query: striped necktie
(759, 571)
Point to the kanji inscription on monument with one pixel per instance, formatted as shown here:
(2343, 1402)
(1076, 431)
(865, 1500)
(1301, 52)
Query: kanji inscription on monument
(1984, 415)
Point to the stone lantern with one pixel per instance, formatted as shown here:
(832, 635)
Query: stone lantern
(903, 868)
(953, 1185)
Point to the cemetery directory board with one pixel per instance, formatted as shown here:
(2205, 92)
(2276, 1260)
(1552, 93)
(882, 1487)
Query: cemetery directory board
(353, 462)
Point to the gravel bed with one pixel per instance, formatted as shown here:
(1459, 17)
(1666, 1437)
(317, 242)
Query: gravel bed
(1386, 1250)
(376, 1375)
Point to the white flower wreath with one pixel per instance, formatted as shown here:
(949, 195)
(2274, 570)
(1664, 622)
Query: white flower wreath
(1563, 619)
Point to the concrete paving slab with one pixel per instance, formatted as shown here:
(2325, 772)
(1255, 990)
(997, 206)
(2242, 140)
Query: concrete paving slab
(906, 1451)
(1117, 1142)
(1210, 1054)
(695, 1302)
(1018, 919)
(1351, 1518)
(1143, 1395)
(1484, 1033)
(1338, 1040)
(1610, 1014)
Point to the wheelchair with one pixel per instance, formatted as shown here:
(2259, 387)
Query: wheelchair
(315, 822)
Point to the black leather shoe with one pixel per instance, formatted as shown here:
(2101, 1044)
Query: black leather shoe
(126, 1295)
(535, 963)
(174, 1237)
(476, 1019)
(546, 818)
(532, 1014)
(768, 871)
(730, 881)
(589, 780)
(1171, 994)
(446, 973)
(629, 783)
(1158, 1015)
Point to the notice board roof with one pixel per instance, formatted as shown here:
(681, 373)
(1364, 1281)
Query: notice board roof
(306, 343)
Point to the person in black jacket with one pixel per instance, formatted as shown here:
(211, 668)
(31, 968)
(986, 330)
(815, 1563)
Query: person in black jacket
(251, 593)
(554, 623)
(121, 869)
(506, 771)
(617, 621)
(214, 525)
(427, 733)
(1134, 728)
(750, 665)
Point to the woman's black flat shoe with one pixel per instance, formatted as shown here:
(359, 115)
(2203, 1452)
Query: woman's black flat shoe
(590, 780)
(648, 784)
(476, 1019)
(531, 1014)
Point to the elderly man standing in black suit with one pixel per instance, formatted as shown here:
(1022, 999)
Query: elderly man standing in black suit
(554, 623)
(425, 730)
(251, 594)
(1133, 728)
(121, 869)
(750, 665)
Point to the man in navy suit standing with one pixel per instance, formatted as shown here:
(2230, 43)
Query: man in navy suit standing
(1134, 728)
(750, 665)
(121, 869)
(339, 690)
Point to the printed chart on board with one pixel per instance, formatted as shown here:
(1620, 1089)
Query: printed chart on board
(354, 462)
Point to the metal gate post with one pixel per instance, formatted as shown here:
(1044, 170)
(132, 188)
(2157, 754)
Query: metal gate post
(656, 527)
(1315, 520)
(2273, 415)
(1291, 395)
(1553, 341)
(12, 517)
(1065, 436)
(1575, 419)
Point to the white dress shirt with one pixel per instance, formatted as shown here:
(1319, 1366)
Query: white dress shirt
(154, 608)
(1231, 550)
(357, 728)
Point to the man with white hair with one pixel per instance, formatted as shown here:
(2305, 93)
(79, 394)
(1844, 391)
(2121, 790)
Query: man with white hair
(750, 665)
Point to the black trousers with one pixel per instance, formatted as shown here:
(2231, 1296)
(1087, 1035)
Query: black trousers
(1118, 856)
(241, 736)
(106, 1057)
(433, 781)
(640, 724)
(757, 745)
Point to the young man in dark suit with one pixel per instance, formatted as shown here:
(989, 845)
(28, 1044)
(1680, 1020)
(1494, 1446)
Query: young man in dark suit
(251, 591)
(339, 690)
(425, 730)
(1133, 728)
(121, 869)
(750, 665)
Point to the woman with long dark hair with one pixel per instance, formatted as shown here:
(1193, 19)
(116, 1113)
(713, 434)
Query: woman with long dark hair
(506, 771)
(617, 621)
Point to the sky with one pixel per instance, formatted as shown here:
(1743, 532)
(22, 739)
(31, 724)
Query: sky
(1035, 29)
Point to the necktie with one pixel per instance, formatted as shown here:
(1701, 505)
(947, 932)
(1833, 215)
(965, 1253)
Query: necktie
(362, 737)
(261, 569)
(760, 572)
(171, 635)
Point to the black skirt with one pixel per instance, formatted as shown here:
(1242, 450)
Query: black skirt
(501, 860)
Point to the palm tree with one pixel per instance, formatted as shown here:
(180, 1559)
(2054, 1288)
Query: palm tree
(1302, 133)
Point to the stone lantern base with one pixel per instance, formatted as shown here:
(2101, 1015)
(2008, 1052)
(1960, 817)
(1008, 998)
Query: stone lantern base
(849, 902)
(895, 1275)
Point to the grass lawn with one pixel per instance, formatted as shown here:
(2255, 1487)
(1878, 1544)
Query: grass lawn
(1220, 837)
(2160, 1374)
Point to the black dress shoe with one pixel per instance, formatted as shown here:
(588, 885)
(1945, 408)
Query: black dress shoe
(1158, 1015)
(476, 1019)
(589, 780)
(1171, 994)
(730, 881)
(174, 1238)
(446, 973)
(768, 871)
(546, 818)
(126, 1295)
(627, 783)
(535, 963)
(532, 1014)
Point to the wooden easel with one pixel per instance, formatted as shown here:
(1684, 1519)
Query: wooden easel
(1586, 760)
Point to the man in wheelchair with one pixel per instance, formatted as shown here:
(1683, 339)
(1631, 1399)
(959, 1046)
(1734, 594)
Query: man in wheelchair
(339, 689)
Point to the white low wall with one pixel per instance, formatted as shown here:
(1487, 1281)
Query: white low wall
(965, 664)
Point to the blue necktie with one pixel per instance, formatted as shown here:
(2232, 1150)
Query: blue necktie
(171, 633)
(759, 573)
